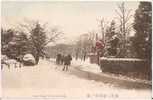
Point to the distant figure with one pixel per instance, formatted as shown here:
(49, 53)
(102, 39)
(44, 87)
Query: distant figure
(58, 58)
(69, 58)
(67, 62)
(62, 60)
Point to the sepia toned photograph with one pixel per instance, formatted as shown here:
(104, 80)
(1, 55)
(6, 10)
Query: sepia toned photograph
(76, 50)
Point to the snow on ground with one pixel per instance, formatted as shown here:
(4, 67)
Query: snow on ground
(46, 80)
(87, 66)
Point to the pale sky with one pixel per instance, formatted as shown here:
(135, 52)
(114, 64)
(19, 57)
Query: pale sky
(74, 18)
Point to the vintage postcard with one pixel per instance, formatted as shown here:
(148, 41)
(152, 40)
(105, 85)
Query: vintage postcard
(76, 50)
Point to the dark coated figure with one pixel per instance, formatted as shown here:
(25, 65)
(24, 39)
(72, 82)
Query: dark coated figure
(62, 60)
(67, 62)
(58, 58)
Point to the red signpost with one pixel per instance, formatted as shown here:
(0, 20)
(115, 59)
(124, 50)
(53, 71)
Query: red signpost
(100, 45)
(99, 48)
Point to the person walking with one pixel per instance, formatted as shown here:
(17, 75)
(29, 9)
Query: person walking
(62, 60)
(67, 62)
(58, 58)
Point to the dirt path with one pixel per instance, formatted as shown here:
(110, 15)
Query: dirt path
(109, 79)
(45, 79)
(102, 77)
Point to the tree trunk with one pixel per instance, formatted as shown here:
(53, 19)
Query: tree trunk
(37, 59)
(37, 55)
(76, 57)
(98, 58)
(84, 57)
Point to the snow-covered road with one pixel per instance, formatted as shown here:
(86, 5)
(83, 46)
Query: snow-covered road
(46, 81)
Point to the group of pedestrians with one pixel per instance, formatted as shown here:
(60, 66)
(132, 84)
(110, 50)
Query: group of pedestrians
(64, 60)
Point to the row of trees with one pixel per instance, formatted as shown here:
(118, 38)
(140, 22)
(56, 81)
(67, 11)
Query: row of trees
(28, 38)
(33, 37)
(83, 46)
(138, 45)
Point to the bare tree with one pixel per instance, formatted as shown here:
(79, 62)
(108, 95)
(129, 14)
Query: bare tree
(92, 37)
(77, 49)
(83, 46)
(124, 17)
(103, 26)
(40, 36)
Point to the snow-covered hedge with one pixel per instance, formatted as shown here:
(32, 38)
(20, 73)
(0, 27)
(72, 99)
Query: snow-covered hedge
(125, 65)
(29, 59)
